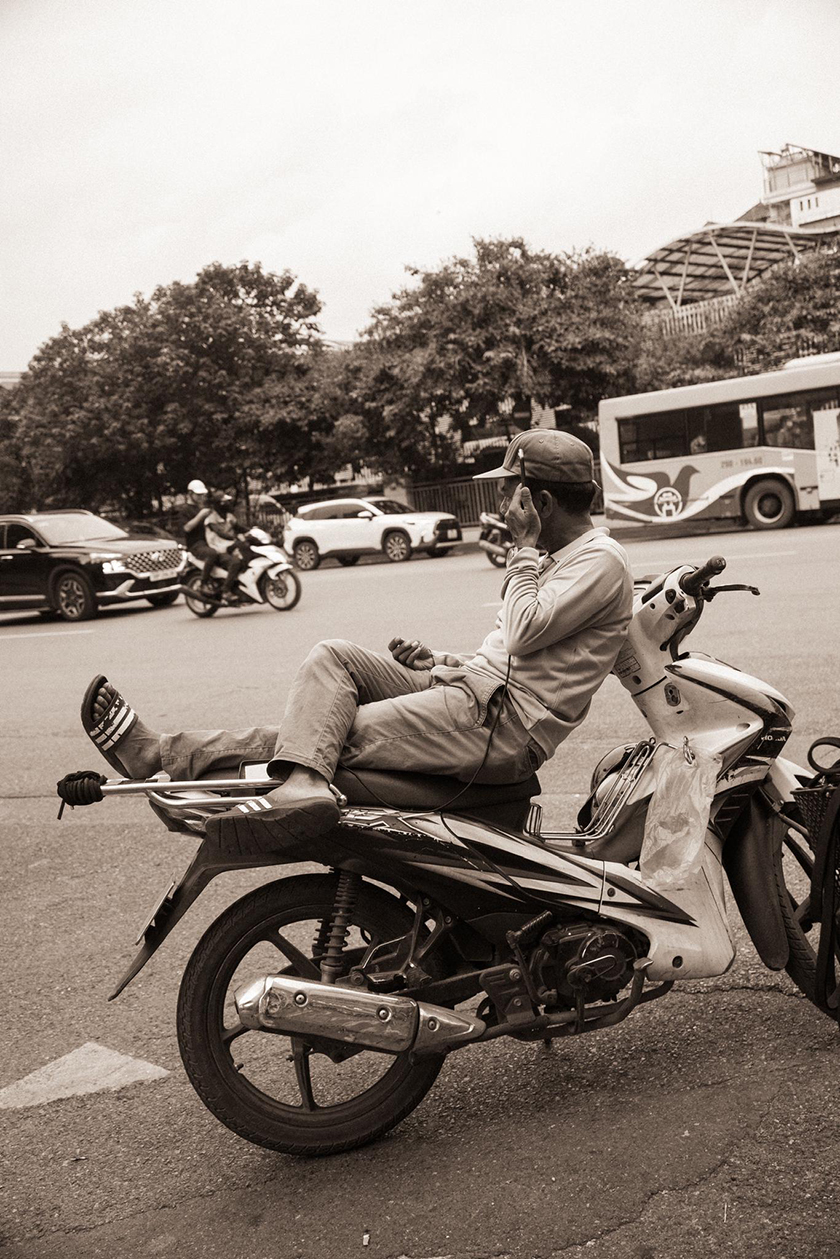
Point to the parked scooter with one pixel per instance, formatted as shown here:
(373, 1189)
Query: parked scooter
(268, 577)
(494, 538)
(317, 1011)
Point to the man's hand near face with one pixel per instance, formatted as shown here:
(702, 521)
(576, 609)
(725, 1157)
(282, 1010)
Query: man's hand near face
(522, 518)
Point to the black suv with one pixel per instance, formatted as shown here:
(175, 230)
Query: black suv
(70, 562)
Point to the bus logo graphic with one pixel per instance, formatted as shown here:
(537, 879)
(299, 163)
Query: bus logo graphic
(668, 502)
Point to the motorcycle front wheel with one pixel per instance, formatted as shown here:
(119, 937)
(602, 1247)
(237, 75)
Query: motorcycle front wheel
(282, 1092)
(793, 866)
(281, 592)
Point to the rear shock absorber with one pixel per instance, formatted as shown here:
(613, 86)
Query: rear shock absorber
(332, 935)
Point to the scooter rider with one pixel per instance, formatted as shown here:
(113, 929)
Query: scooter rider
(560, 629)
(210, 535)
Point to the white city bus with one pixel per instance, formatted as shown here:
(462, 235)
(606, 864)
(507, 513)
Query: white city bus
(763, 449)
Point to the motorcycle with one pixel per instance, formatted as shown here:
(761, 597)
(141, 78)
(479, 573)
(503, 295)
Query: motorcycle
(494, 538)
(268, 578)
(317, 1011)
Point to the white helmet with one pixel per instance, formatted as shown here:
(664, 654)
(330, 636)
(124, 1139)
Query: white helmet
(197, 487)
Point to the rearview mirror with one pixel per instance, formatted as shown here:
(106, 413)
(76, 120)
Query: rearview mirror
(27, 544)
(364, 515)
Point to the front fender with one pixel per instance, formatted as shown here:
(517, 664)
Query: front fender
(749, 858)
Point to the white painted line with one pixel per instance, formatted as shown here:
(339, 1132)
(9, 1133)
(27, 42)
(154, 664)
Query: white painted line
(89, 1069)
(46, 634)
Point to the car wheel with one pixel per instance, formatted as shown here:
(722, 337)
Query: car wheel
(306, 555)
(347, 561)
(396, 546)
(74, 598)
(163, 601)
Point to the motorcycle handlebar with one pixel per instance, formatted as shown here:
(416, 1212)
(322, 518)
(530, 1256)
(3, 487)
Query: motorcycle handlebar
(690, 583)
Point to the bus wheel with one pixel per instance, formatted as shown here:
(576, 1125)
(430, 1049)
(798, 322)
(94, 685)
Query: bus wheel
(769, 504)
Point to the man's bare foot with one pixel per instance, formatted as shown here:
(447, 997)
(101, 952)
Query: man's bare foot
(138, 750)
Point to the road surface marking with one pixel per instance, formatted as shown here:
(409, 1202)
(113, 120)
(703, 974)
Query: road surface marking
(46, 634)
(89, 1069)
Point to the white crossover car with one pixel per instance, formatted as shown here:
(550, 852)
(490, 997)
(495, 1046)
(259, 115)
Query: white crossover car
(346, 528)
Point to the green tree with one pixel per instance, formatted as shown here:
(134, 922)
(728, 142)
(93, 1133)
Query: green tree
(794, 310)
(136, 403)
(510, 322)
(15, 482)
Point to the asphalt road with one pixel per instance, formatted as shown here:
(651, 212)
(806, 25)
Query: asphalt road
(707, 1123)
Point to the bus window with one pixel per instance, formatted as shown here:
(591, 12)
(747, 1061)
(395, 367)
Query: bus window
(658, 436)
(749, 423)
(723, 427)
(787, 423)
(697, 440)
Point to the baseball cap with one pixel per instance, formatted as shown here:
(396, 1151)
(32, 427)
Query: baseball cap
(197, 487)
(550, 455)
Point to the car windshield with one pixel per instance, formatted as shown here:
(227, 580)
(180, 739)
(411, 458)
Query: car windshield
(390, 506)
(73, 528)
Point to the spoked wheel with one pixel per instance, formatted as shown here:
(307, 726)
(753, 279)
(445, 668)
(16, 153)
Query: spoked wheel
(794, 864)
(74, 597)
(281, 592)
(283, 1092)
(197, 605)
(498, 561)
(397, 546)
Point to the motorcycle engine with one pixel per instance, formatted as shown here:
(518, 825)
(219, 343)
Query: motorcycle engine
(596, 961)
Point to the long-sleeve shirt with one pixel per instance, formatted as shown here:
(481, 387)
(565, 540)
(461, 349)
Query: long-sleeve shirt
(562, 624)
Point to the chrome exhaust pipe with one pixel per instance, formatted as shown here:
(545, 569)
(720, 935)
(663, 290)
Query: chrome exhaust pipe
(369, 1020)
(493, 547)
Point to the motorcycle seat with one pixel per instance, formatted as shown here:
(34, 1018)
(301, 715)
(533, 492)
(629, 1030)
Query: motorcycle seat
(413, 791)
(428, 791)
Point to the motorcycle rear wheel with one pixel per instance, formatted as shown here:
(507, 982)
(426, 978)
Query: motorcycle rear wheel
(498, 561)
(271, 931)
(198, 606)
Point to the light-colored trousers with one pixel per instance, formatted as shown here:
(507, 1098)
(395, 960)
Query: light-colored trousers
(352, 707)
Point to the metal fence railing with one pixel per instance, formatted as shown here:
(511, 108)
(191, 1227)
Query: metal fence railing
(467, 499)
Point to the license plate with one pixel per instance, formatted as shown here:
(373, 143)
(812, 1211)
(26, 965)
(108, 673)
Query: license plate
(147, 922)
(450, 533)
(166, 575)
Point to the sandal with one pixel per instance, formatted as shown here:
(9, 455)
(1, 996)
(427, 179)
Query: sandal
(111, 727)
(269, 826)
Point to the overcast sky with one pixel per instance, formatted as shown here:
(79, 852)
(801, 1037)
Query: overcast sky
(142, 139)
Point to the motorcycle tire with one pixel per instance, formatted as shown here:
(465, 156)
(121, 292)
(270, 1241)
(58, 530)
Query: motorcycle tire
(281, 592)
(498, 561)
(198, 607)
(211, 1038)
(792, 867)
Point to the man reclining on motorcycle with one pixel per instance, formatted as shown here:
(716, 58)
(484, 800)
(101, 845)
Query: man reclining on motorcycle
(557, 636)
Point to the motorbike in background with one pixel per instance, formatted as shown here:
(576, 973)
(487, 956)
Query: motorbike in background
(494, 538)
(268, 578)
